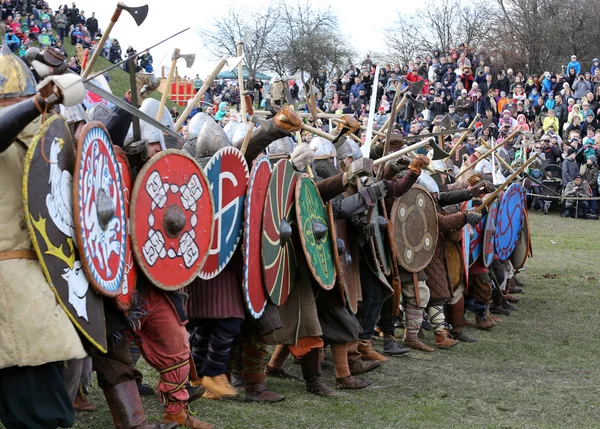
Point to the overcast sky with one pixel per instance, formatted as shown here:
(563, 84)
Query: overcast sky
(361, 23)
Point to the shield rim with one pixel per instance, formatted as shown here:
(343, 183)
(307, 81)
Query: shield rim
(311, 266)
(285, 164)
(120, 305)
(219, 154)
(519, 189)
(77, 209)
(340, 281)
(36, 247)
(134, 242)
(258, 163)
(435, 233)
(488, 223)
(379, 241)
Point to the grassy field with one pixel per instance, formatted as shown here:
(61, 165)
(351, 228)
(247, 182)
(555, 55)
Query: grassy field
(538, 369)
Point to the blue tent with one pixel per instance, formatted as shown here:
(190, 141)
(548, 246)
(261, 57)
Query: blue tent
(233, 74)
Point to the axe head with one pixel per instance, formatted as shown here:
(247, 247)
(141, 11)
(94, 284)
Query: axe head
(233, 62)
(438, 152)
(417, 87)
(445, 122)
(486, 122)
(412, 100)
(361, 167)
(138, 14)
(189, 59)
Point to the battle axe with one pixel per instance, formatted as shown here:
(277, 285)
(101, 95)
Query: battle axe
(189, 62)
(138, 14)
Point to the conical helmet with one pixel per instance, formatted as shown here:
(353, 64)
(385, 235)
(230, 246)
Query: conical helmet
(281, 148)
(16, 80)
(196, 123)
(426, 181)
(210, 139)
(240, 134)
(349, 149)
(149, 133)
(323, 148)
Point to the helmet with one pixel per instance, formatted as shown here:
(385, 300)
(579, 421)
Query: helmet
(210, 139)
(150, 107)
(149, 133)
(196, 123)
(16, 80)
(100, 112)
(281, 148)
(323, 148)
(426, 181)
(240, 133)
(349, 149)
(230, 129)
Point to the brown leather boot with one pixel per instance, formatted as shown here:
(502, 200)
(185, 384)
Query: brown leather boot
(362, 367)
(185, 419)
(367, 352)
(512, 299)
(512, 287)
(484, 324)
(81, 402)
(210, 395)
(351, 383)
(126, 408)
(311, 371)
(220, 385)
(418, 345)
(442, 341)
(258, 392)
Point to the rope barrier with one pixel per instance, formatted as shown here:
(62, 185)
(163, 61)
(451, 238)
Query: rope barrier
(565, 198)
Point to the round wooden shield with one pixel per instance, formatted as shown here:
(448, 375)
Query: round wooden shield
(172, 218)
(521, 252)
(415, 228)
(315, 232)
(227, 175)
(253, 283)
(278, 254)
(48, 203)
(124, 299)
(382, 251)
(489, 233)
(346, 261)
(454, 262)
(476, 243)
(509, 220)
(99, 208)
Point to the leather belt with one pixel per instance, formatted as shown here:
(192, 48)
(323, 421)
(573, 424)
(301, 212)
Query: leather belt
(18, 254)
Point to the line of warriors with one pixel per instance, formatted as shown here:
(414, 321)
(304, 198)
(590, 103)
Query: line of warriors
(202, 340)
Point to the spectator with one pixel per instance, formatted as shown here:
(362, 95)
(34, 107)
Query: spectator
(569, 167)
(60, 20)
(92, 25)
(577, 188)
(574, 64)
(115, 52)
(45, 39)
(11, 40)
(73, 13)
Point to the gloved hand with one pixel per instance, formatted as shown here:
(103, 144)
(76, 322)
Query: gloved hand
(367, 230)
(418, 163)
(473, 217)
(351, 124)
(302, 156)
(68, 88)
(482, 188)
(373, 193)
(288, 119)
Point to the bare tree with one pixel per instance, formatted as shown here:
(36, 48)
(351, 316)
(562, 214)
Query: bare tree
(403, 39)
(224, 32)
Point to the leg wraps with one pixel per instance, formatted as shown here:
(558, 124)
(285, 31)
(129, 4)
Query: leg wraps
(340, 360)
(455, 315)
(437, 317)
(414, 318)
(479, 308)
(279, 356)
(254, 353)
(135, 353)
(221, 338)
(199, 340)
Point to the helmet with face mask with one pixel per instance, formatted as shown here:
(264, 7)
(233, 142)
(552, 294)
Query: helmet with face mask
(211, 139)
(325, 157)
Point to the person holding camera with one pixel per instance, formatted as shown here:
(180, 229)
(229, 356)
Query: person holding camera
(578, 188)
(581, 87)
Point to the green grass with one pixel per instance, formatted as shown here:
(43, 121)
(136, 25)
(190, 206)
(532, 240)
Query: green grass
(119, 79)
(538, 369)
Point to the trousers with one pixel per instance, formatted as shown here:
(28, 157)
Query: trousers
(211, 344)
(374, 295)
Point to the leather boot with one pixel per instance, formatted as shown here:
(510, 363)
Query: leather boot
(279, 373)
(455, 315)
(512, 287)
(392, 348)
(366, 351)
(418, 345)
(81, 402)
(360, 366)
(484, 324)
(462, 337)
(210, 395)
(185, 419)
(351, 383)
(442, 341)
(311, 371)
(126, 408)
(195, 393)
(220, 385)
(258, 392)
(518, 282)
(512, 299)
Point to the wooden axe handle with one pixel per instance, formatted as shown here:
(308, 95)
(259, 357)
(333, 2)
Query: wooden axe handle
(167, 88)
(502, 161)
(481, 158)
(465, 134)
